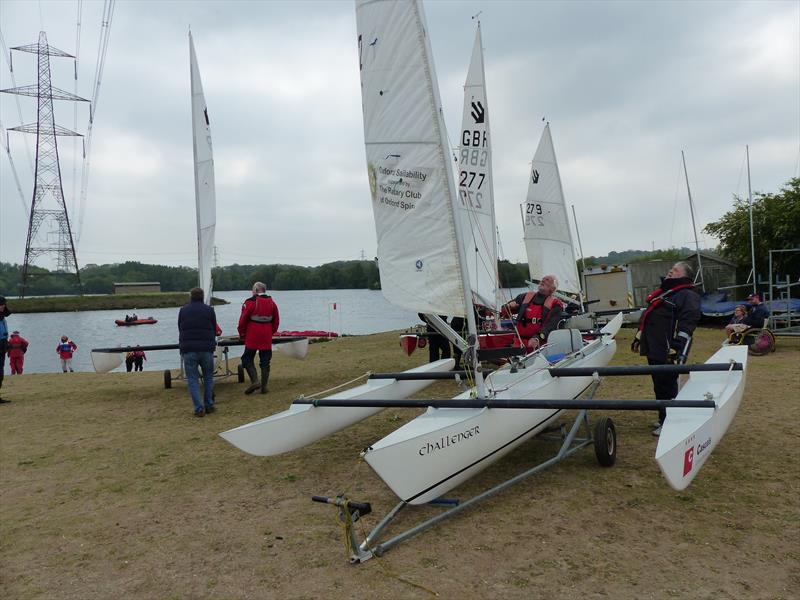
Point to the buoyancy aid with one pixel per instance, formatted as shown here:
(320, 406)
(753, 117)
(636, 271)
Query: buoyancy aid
(531, 313)
(658, 296)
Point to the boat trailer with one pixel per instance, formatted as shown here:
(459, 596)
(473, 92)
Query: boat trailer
(603, 437)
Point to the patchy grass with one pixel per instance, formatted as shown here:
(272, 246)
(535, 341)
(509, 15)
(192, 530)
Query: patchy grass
(109, 487)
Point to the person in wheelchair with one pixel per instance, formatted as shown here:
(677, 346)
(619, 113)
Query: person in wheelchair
(737, 324)
(752, 331)
(759, 313)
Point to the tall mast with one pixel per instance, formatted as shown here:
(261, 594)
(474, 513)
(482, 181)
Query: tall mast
(750, 197)
(472, 326)
(694, 227)
(580, 249)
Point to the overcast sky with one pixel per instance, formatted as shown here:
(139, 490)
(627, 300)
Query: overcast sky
(625, 85)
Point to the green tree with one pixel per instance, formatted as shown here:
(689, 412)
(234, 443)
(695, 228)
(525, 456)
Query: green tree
(776, 226)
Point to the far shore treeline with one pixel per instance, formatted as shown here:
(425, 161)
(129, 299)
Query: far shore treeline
(363, 274)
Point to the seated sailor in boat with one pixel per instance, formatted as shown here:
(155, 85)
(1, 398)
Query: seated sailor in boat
(537, 313)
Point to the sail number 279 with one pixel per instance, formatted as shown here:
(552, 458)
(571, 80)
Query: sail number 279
(533, 214)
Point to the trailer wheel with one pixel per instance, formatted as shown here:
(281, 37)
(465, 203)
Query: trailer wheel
(605, 442)
(240, 373)
(167, 379)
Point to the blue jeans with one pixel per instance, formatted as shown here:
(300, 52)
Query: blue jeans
(205, 362)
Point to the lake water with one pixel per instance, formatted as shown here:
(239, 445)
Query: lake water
(356, 312)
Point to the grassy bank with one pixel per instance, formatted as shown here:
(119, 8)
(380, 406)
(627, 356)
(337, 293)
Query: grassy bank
(122, 302)
(109, 487)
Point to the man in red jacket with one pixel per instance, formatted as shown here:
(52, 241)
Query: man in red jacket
(257, 324)
(17, 347)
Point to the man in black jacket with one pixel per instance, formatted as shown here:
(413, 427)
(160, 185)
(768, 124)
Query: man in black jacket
(197, 328)
(666, 328)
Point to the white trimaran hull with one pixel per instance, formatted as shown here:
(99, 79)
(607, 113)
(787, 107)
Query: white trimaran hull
(690, 434)
(446, 446)
(304, 424)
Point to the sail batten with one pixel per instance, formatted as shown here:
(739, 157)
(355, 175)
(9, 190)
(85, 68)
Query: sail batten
(411, 185)
(204, 189)
(548, 238)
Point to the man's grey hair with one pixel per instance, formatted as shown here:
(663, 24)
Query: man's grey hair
(259, 288)
(554, 278)
(687, 268)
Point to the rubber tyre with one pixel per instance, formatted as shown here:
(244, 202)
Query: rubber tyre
(167, 379)
(240, 373)
(605, 442)
(763, 342)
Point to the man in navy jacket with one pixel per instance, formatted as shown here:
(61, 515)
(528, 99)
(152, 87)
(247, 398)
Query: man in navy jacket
(197, 328)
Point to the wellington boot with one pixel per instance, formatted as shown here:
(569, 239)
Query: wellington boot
(254, 383)
(264, 379)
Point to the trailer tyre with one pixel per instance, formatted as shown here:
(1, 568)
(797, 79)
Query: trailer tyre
(167, 379)
(605, 442)
(240, 373)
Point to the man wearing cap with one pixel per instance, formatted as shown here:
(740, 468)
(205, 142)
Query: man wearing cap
(4, 312)
(666, 328)
(759, 313)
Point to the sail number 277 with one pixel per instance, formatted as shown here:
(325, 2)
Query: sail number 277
(533, 214)
(468, 197)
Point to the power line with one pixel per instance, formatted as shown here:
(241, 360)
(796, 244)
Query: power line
(102, 49)
(7, 56)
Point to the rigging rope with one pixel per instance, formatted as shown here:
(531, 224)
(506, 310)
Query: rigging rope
(105, 34)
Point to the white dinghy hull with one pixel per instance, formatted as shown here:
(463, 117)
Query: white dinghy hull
(296, 349)
(105, 362)
(688, 435)
(444, 447)
(303, 424)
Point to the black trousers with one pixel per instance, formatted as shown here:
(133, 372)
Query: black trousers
(438, 347)
(665, 385)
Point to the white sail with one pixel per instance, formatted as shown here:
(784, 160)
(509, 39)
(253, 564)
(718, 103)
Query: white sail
(203, 179)
(410, 176)
(475, 187)
(548, 239)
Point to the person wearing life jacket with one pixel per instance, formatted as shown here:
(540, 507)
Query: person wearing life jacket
(138, 358)
(258, 322)
(17, 347)
(65, 350)
(537, 313)
(666, 328)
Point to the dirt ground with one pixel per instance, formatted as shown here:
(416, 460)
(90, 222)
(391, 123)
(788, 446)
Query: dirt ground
(109, 487)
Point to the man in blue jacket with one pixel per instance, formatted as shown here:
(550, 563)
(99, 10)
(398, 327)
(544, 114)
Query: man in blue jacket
(759, 313)
(197, 328)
